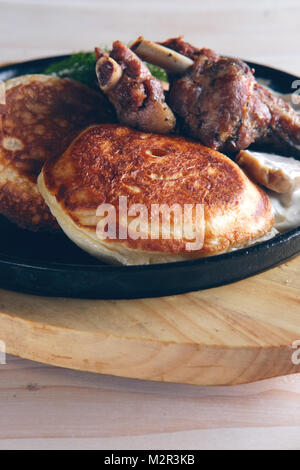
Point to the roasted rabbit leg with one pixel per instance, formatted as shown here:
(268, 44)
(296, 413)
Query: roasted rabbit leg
(218, 101)
(284, 126)
(217, 104)
(137, 96)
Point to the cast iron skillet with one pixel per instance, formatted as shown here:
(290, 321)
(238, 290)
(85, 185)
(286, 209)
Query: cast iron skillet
(48, 264)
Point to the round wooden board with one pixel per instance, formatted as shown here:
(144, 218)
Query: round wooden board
(233, 334)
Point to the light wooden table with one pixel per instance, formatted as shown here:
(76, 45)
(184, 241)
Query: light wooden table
(48, 407)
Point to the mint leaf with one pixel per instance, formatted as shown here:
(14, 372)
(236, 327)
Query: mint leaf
(81, 67)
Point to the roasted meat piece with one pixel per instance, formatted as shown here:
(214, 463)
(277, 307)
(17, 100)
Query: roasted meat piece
(186, 49)
(137, 96)
(218, 105)
(218, 101)
(284, 126)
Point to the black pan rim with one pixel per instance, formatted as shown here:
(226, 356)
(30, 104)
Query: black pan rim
(10, 65)
(272, 243)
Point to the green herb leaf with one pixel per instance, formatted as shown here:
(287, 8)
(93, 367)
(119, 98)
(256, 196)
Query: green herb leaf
(81, 67)
(157, 72)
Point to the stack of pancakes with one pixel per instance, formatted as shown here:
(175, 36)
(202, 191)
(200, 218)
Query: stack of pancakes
(39, 118)
(64, 131)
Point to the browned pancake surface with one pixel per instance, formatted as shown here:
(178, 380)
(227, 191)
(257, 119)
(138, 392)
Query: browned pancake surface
(109, 161)
(41, 117)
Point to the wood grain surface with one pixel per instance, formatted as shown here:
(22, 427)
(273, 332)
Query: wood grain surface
(233, 334)
(47, 407)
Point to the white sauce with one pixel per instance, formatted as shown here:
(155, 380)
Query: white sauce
(286, 208)
(287, 171)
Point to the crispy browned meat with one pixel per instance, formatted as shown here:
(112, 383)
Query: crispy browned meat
(218, 105)
(184, 48)
(137, 96)
(284, 127)
(219, 102)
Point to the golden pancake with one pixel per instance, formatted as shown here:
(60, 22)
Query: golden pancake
(108, 162)
(40, 118)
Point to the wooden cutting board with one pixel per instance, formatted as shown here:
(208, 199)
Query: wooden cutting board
(228, 335)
